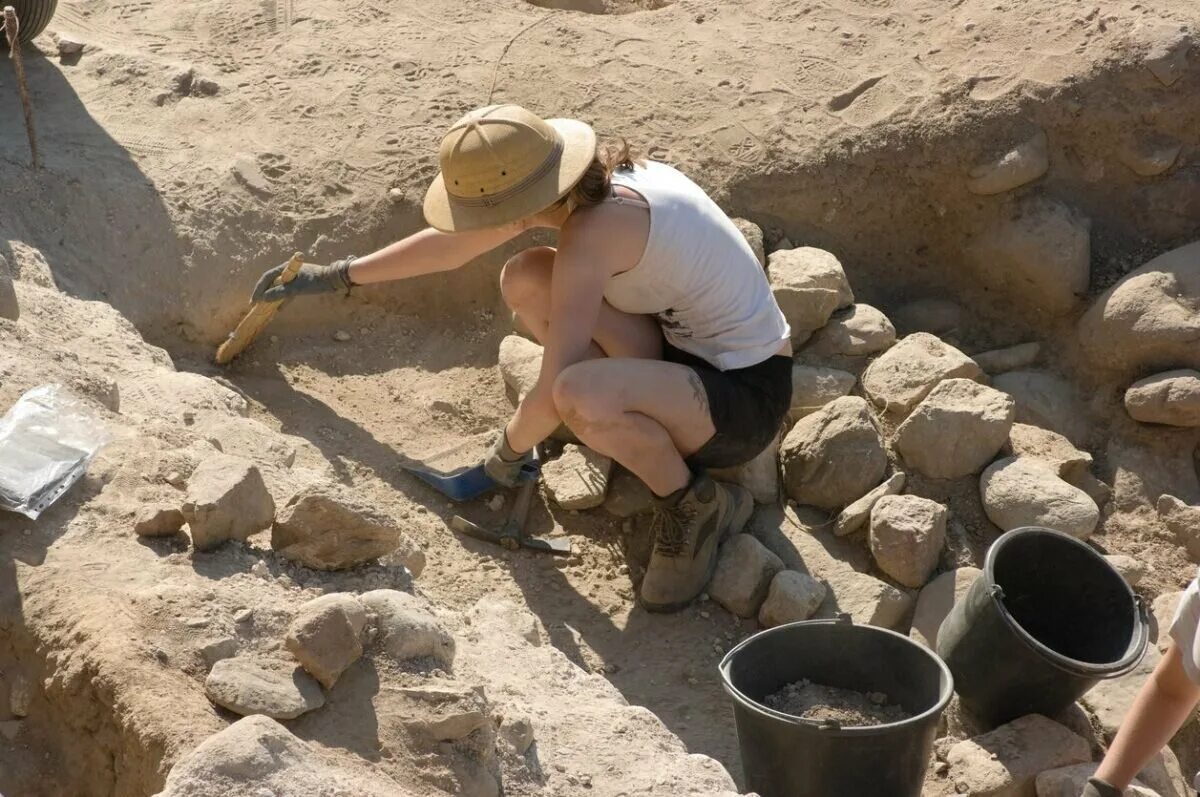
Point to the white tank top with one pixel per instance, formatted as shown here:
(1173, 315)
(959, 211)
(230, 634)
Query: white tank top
(698, 275)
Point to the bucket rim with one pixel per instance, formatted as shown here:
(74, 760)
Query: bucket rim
(1071, 666)
(947, 691)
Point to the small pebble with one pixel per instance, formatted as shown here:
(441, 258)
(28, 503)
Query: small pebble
(196, 622)
(244, 616)
(341, 336)
(496, 503)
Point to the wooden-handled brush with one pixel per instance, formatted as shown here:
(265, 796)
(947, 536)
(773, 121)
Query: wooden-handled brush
(257, 317)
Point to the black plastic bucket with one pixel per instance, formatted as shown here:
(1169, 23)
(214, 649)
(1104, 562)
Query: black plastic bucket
(784, 756)
(1048, 619)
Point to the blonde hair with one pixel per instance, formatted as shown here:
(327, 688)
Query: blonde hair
(596, 184)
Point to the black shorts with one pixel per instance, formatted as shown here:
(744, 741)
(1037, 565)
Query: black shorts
(747, 406)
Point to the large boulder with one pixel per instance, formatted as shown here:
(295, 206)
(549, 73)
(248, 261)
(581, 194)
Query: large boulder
(1024, 163)
(246, 687)
(1039, 258)
(1110, 699)
(326, 636)
(868, 600)
(326, 528)
(578, 479)
(856, 331)
(760, 475)
(851, 519)
(1171, 398)
(956, 429)
(1047, 400)
(936, 600)
(1150, 319)
(406, 629)
(809, 284)
(1006, 761)
(1010, 358)
(1049, 448)
(257, 756)
(754, 237)
(907, 536)
(1024, 492)
(226, 500)
(744, 572)
(833, 456)
(792, 597)
(813, 387)
(520, 362)
(904, 374)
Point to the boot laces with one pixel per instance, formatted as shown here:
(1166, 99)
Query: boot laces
(670, 526)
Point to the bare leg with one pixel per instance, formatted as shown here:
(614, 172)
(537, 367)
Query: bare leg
(646, 414)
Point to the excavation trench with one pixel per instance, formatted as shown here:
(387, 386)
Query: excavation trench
(418, 375)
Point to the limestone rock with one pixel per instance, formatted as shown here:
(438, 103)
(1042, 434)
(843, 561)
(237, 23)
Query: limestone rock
(1171, 398)
(1162, 613)
(406, 628)
(855, 331)
(226, 500)
(20, 695)
(326, 636)
(956, 429)
(1049, 448)
(1110, 699)
(833, 456)
(156, 520)
(325, 528)
(792, 597)
(809, 284)
(1097, 490)
(907, 536)
(518, 730)
(627, 494)
(936, 600)
(1183, 521)
(578, 479)
(935, 316)
(1023, 492)
(1070, 782)
(814, 387)
(905, 373)
(218, 650)
(245, 688)
(1150, 318)
(1022, 164)
(760, 475)
(1132, 570)
(754, 236)
(520, 362)
(257, 756)
(1149, 154)
(1006, 761)
(8, 293)
(866, 599)
(857, 513)
(1047, 400)
(744, 572)
(997, 361)
(1040, 258)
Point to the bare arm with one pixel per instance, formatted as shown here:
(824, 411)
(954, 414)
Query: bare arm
(1158, 712)
(429, 251)
(581, 269)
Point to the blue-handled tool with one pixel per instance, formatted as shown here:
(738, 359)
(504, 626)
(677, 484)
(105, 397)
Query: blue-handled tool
(465, 484)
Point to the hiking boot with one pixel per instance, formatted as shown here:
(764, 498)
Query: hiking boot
(688, 527)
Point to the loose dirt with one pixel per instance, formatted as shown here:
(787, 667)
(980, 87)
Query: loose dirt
(848, 708)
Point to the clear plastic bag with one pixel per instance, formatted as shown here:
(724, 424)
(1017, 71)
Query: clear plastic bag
(47, 440)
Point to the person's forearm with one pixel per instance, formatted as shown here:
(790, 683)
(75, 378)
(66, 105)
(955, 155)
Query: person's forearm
(534, 421)
(1158, 712)
(427, 252)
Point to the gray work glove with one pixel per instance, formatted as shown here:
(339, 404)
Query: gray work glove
(503, 464)
(1099, 788)
(310, 279)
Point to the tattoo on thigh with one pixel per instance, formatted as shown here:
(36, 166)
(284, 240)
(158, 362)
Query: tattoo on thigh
(698, 391)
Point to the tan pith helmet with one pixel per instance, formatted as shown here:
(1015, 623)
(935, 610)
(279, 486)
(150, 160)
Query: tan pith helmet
(503, 163)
